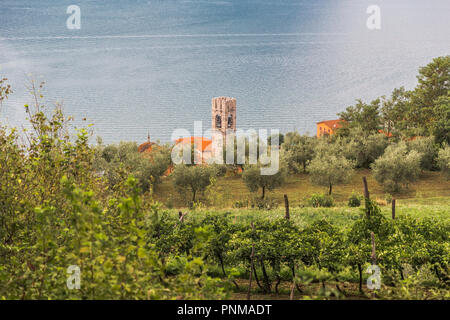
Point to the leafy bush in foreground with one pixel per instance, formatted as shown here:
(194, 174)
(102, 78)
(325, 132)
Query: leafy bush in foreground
(56, 212)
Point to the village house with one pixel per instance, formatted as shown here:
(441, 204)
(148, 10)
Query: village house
(328, 127)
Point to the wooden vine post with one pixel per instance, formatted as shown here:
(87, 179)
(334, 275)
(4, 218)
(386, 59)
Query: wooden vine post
(374, 254)
(286, 206)
(252, 256)
(366, 196)
(393, 208)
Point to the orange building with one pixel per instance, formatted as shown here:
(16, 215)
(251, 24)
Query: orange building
(202, 146)
(328, 127)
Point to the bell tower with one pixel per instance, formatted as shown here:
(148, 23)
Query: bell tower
(224, 115)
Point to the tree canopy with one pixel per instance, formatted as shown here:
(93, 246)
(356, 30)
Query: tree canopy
(397, 167)
(193, 178)
(254, 180)
(329, 169)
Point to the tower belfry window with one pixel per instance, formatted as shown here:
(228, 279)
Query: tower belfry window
(218, 121)
(230, 121)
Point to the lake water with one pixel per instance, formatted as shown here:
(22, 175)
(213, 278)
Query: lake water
(139, 66)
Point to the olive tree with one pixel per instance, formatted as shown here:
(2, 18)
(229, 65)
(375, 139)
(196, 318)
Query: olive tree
(441, 127)
(363, 115)
(193, 178)
(329, 169)
(363, 148)
(444, 160)
(427, 147)
(397, 167)
(254, 180)
(298, 150)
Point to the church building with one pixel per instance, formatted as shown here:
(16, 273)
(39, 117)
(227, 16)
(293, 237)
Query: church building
(223, 120)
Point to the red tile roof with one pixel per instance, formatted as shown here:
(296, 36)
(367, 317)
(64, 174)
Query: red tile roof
(332, 124)
(146, 146)
(202, 143)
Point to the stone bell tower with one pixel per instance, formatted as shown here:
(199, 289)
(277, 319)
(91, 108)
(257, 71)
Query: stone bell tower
(224, 115)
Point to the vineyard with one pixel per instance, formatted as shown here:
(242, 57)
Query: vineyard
(129, 250)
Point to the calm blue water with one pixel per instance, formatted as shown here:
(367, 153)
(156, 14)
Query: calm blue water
(138, 66)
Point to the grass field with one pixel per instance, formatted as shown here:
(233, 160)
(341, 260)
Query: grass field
(431, 191)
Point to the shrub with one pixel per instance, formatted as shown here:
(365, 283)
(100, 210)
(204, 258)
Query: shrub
(354, 200)
(321, 200)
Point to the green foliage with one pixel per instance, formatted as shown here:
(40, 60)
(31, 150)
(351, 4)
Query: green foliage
(254, 180)
(193, 178)
(354, 200)
(393, 111)
(263, 204)
(362, 115)
(299, 149)
(397, 167)
(54, 213)
(273, 137)
(116, 162)
(321, 200)
(236, 160)
(363, 148)
(428, 149)
(241, 204)
(444, 160)
(329, 169)
(388, 198)
(433, 83)
(441, 127)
